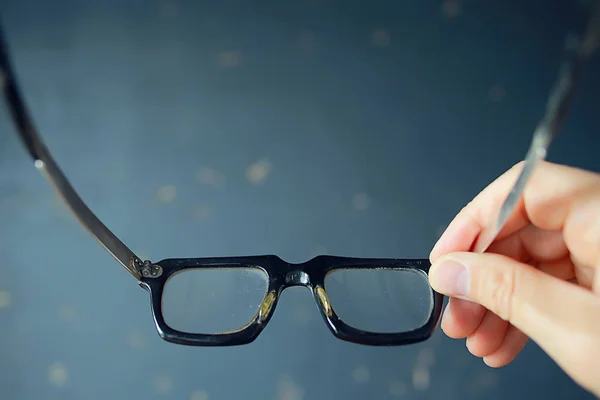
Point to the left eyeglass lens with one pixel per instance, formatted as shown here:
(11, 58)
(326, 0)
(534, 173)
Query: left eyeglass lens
(213, 300)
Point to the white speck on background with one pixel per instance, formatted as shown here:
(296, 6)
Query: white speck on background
(420, 378)
(57, 374)
(258, 172)
(66, 313)
(452, 8)
(361, 374)
(229, 59)
(306, 39)
(287, 389)
(163, 384)
(137, 340)
(361, 201)
(210, 177)
(168, 8)
(426, 357)
(199, 395)
(497, 93)
(202, 211)
(5, 299)
(166, 194)
(381, 38)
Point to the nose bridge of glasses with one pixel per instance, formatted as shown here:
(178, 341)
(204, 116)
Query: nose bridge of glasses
(296, 277)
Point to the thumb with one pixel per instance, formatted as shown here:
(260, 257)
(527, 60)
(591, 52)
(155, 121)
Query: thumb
(559, 316)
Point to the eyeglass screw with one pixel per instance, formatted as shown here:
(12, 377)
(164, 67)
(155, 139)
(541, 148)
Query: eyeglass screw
(150, 270)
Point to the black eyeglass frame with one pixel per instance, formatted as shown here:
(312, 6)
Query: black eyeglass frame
(310, 274)
(153, 276)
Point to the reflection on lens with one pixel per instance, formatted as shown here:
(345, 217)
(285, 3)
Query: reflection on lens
(213, 300)
(380, 300)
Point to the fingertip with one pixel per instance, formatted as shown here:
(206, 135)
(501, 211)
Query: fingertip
(448, 324)
(514, 342)
(493, 363)
(488, 337)
(434, 254)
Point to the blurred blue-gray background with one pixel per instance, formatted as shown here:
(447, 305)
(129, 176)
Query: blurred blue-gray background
(237, 127)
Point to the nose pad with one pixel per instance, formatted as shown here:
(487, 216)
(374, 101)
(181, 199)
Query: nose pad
(323, 300)
(266, 306)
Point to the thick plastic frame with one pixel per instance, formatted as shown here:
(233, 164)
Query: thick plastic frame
(310, 274)
(153, 276)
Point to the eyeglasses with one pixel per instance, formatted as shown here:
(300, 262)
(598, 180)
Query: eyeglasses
(229, 300)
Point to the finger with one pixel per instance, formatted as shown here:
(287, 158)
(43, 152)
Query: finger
(582, 228)
(513, 343)
(489, 335)
(531, 243)
(461, 318)
(511, 246)
(556, 198)
(585, 276)
(562, 269)
(543, 249)
(492, 332)
(542, 245)
(557, 315)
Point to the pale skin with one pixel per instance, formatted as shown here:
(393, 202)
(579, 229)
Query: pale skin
(540, 279)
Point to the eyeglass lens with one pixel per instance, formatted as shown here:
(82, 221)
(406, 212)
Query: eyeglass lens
(213, 300)
(380, 300)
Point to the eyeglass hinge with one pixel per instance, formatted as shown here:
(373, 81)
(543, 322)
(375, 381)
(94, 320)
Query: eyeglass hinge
(147, 269)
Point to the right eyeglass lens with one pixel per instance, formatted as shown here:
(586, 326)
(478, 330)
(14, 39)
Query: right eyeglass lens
(213, 300)
(380, 300)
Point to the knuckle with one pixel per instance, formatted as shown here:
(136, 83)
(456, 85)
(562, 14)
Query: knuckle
(501, 286)
(472, 212)
(466, 209)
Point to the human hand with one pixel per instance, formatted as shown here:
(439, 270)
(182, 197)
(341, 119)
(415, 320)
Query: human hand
(542, 280)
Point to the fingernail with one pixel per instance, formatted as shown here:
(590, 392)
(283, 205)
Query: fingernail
(450, 278)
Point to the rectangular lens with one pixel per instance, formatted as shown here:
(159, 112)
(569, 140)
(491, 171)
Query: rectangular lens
(213, 300)
(380, 300)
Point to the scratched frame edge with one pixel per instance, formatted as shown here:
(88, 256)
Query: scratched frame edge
(277, 269)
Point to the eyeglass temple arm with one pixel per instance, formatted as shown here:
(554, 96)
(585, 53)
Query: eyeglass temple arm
(46, 164)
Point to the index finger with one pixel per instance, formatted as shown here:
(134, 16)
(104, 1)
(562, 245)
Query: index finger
(551, 198)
